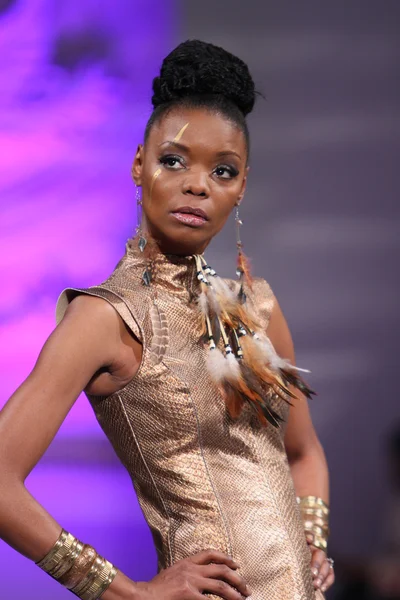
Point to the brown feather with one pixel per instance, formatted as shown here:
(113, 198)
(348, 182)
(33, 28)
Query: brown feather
(258, 397)
(243, 265)
(258, 382)
(247, 389)
(159, 339)
(234, 400)
(255, 360)
(234, 314)
(290, 377)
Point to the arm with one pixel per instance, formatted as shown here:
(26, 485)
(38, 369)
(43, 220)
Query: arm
(305, 454)
(88, 338)
(304, 451)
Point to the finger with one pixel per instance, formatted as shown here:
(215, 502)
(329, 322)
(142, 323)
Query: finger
(220, 588)
(317, 560)
(309, 538)
(224, 573)
(323, 574)
(206, 557)
(329, 581)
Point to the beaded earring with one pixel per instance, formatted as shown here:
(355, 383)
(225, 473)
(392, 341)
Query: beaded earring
(142, 240)
(246, 368)
(242, 264)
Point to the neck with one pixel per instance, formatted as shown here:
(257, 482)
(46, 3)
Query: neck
(172, 272)
(167, 246)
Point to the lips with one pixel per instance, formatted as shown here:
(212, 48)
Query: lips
(190, 210)
(190, 216)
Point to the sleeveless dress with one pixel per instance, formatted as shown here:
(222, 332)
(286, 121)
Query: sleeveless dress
(203, 480)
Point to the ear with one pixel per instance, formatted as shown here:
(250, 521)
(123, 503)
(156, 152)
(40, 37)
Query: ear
(137, 165)
(243, 188)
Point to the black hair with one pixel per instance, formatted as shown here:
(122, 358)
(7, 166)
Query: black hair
(197, 74)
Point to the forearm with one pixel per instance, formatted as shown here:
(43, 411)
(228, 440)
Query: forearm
(28, 528)
(311, 481)
(310, 473)
(24, 523)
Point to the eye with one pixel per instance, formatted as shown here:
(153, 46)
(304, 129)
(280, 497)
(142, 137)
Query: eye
(172, 161)
(226, 172)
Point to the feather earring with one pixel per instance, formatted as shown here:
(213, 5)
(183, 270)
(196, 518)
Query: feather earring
(247, 369)
(243, 271)
(236, 380)
(145, 245)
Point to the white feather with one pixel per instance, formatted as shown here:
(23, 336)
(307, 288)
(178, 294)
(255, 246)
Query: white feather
(294, 368)
(275, 361)
(213, 300)
(233, 371)
(223, 289)
(202, 302)
(216, 364)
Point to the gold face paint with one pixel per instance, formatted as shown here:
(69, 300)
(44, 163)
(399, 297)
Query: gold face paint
(156, 174)
(180, 133)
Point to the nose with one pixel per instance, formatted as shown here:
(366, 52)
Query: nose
(196, 185)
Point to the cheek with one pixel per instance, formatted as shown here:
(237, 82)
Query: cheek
(159, 189)
(152, 174)
(154, 178)
(225, 199)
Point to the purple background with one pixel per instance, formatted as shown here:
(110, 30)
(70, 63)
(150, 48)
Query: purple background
(75, 81)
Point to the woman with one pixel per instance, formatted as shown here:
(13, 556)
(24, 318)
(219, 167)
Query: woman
(212, 425)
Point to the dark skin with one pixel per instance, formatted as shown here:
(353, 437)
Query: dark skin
(202, 170)
(93, 350)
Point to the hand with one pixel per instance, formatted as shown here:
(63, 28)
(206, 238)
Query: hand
(208, 571)
(321, 569)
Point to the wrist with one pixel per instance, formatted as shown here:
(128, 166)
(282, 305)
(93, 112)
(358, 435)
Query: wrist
(315, 515)
(122, 588)
(78, 567)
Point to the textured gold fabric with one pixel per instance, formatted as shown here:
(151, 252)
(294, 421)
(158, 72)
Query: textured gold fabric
(202, 479)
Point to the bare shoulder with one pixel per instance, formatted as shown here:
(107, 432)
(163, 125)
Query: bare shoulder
(103, 328)
(93, 307)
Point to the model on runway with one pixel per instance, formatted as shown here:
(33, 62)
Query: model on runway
(191, 376)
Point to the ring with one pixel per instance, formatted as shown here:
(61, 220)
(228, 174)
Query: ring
(331, 562)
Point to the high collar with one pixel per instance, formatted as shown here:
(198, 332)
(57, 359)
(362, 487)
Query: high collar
(170, 272)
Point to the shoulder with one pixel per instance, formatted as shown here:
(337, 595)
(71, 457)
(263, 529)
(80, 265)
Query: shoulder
(261, 290)
(259, 296)
(263, 299)
(92, 316)
(82, 305)
(115, 296)
(264, 303)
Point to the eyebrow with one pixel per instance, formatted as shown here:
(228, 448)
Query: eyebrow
(186, 149)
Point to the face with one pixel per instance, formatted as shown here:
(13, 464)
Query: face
(192, 170)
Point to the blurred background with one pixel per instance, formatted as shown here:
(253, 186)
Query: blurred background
(321, 223)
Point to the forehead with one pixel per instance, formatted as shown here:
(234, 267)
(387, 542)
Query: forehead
(199, 128)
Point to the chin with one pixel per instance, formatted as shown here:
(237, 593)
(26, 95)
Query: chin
(181, 240)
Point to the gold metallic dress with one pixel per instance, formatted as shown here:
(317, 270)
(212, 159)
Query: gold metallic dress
(203, 480)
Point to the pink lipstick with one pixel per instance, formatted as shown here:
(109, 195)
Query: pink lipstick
(194, 217)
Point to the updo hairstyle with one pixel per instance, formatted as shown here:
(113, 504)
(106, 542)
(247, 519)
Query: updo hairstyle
(197, 74)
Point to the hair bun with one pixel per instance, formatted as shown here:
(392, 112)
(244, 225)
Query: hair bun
(195, 67)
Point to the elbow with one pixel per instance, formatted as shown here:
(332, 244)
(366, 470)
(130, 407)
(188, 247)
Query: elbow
(10, 484)
(11, 492)
(310, 451)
